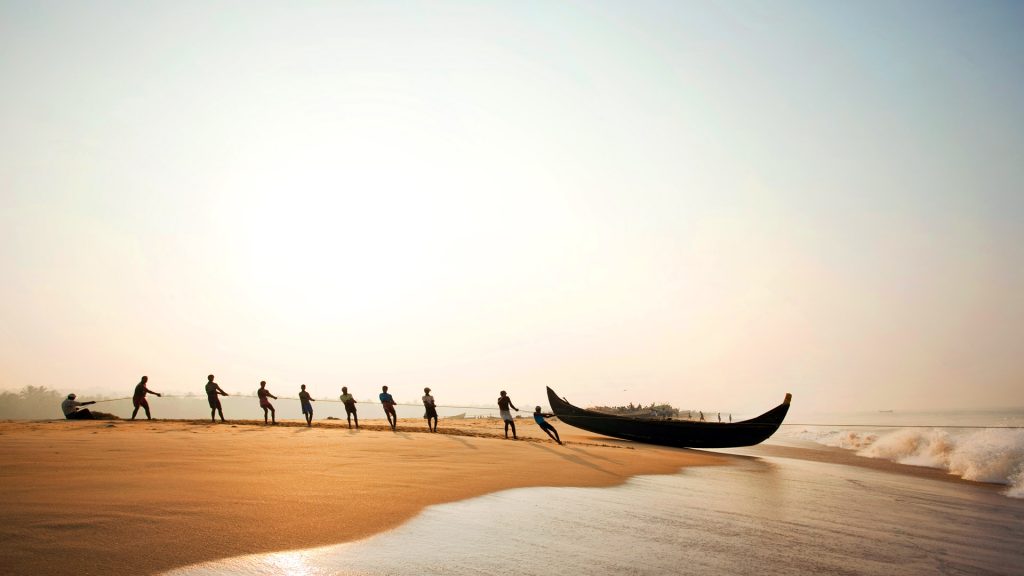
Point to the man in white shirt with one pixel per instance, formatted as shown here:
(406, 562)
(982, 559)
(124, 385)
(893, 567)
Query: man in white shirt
(70, 408)
(431, 410)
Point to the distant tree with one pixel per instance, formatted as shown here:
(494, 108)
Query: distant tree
(31, 403)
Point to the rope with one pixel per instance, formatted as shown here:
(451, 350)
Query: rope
(369, 402)
(462, 407)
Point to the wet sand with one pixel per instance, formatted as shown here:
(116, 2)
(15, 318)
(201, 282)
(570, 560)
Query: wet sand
(119, 497)
(759, 516)
(781, 508)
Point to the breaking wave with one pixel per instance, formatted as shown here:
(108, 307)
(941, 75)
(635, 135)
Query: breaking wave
(994, 456)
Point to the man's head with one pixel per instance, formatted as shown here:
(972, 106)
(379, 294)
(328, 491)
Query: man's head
(427, 390)
(384, 388)
(263, 384)
(71, 396)
(303, 386)
(502, 392)
(344, 389)
(209, 378)
(145, 379)
(537, 409)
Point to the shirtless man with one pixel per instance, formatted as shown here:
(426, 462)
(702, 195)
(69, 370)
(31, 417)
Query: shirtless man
(263, 394)
(212, 392)
(504, 402)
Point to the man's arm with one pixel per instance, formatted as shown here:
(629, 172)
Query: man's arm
(221, 392)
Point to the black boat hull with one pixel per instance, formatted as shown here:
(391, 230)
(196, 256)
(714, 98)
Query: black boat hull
(676, 433)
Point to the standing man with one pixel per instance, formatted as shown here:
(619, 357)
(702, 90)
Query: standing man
(139, 398)
(307, 406)
(212, 392)
(504, 402)
(350, 406)
(388, 402)
(70, 409)
(431, 410)
(263, 394)
(538, 417)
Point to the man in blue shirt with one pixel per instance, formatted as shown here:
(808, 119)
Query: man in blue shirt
(388, 402)
(538, 417)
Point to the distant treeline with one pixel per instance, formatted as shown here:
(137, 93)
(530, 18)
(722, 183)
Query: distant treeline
(31, 403)
(660, 410)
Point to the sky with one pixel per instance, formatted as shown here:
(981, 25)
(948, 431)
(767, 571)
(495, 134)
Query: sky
(703, 203)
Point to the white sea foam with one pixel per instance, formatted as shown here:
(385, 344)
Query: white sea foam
(985, 455)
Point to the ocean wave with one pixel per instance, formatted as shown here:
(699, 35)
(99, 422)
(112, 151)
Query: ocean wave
(994, 456)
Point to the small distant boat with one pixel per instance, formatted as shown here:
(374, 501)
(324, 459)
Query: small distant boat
(461, 416)
(676, 433)
(885, 411)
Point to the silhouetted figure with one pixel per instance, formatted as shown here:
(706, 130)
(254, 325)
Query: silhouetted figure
(263, 394)
(730, 418)
(702, 416)
(139, 398)
(504, 403)
(70, 409)
(431, 409)
(350, 406)
(307, 405)
(719, 416)
(388, 402)
(213, 392)
(538, 417)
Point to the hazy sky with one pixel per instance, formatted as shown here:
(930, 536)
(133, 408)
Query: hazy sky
(704, 203)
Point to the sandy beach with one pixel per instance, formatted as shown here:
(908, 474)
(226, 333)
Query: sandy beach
(122, 497)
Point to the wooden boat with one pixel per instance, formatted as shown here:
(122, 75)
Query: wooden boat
(677, 433)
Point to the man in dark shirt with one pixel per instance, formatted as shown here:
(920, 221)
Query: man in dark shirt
(139, 398)
(212, 393)
(307, 407)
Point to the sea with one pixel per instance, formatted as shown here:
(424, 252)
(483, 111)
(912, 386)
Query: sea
(943, 494)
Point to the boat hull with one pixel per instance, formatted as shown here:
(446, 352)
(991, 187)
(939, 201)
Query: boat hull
(676, 433)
